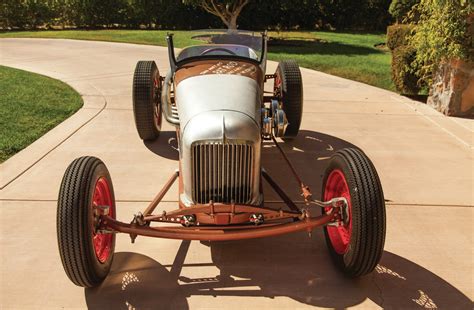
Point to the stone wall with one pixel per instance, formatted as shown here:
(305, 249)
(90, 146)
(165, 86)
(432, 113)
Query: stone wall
(452, 91)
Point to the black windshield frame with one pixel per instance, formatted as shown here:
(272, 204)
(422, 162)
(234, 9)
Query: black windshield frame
(174, 63)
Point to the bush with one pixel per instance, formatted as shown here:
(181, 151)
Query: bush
(13, 14)
(403, 76)
(399, 9)
(441, 34)
(398, 34)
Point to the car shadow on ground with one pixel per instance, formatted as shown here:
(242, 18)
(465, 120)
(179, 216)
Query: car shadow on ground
(292, 266)
(295, 265)
(309, 153)
(165, 146)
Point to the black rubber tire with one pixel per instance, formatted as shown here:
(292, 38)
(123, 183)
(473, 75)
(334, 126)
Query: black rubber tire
(368, 213)
(147, 100)
(73, 222)
(291, 94)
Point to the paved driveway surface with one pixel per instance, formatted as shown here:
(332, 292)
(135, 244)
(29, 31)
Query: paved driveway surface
(424, 159)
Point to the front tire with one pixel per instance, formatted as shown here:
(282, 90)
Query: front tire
(289, 88)
(356, 246)
(86, 254)
(147, 100)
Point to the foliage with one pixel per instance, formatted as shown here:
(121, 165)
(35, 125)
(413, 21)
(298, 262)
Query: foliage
(399, 9)
(227, 10)
(30, 105)
(16, 13)
(403, 59)
(398, 34)
(172, 14)
(441, 34)
(406, 82)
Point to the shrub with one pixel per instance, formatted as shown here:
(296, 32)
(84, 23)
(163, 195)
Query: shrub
(399, 9)
(403, 75)
(398, 34)
(13, 13)
(441, 34)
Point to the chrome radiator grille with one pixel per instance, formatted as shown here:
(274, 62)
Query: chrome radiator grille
(222, 172)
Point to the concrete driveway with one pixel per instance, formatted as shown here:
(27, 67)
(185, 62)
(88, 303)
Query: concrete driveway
(425, 162)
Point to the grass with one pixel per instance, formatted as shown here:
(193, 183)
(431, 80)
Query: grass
(31, 105)
(348, 55)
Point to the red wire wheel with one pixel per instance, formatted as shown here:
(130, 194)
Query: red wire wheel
(102, 242)
(86, 190)
(336, 186)
(356, 245)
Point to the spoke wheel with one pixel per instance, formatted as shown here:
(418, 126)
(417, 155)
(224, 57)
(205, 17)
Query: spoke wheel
(102, 242)
(86, 253)
(336, 186)
(356, 245)
(288, 87)
(147, 88)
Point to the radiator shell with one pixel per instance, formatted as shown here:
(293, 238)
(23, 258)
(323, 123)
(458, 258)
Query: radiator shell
(221, 111)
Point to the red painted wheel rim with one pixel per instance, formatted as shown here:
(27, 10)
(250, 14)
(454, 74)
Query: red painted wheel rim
(336, 186)
(157, 99)
(277, 86)
(102, 242)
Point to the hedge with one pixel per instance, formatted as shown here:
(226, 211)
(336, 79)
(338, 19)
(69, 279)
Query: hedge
(405, 80)
(403, 58)
(397, 35)
(173, 14)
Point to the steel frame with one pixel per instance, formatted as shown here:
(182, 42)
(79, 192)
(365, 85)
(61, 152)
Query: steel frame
(219, 222)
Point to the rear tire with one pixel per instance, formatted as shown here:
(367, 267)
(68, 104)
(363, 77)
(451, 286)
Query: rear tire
(147, 100)
(289, 87)
(86, 255)
(357, 246)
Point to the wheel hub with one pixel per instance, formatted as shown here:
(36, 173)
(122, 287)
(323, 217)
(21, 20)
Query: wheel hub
(340, 232)
(101, 202)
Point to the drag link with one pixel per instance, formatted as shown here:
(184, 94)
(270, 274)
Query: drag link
(305, 191)
(339, 203)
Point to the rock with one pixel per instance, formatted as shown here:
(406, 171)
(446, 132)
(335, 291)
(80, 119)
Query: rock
(452, 91)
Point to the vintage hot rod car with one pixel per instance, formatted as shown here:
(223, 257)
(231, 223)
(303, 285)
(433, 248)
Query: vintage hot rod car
(214, 95)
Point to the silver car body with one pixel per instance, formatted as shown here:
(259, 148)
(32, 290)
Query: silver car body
(214, 94)
(221, 109)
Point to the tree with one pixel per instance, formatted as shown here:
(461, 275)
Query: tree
(227, 10)
(399, 9)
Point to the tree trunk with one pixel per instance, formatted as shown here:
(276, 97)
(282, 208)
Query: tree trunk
(232, 23)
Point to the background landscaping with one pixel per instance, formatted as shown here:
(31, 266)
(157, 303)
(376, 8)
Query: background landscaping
(348, 55)
(427, 40)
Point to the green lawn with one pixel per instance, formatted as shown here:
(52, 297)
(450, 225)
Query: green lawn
(30, 105)
(348, 55)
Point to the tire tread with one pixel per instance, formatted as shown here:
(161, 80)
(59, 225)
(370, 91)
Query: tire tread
(292, 88)
(72, 218)
(369, 233)
(143, 109)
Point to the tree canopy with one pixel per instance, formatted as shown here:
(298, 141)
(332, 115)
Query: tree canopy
(227, 10)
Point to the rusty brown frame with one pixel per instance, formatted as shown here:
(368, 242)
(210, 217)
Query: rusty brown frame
(220, 222)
